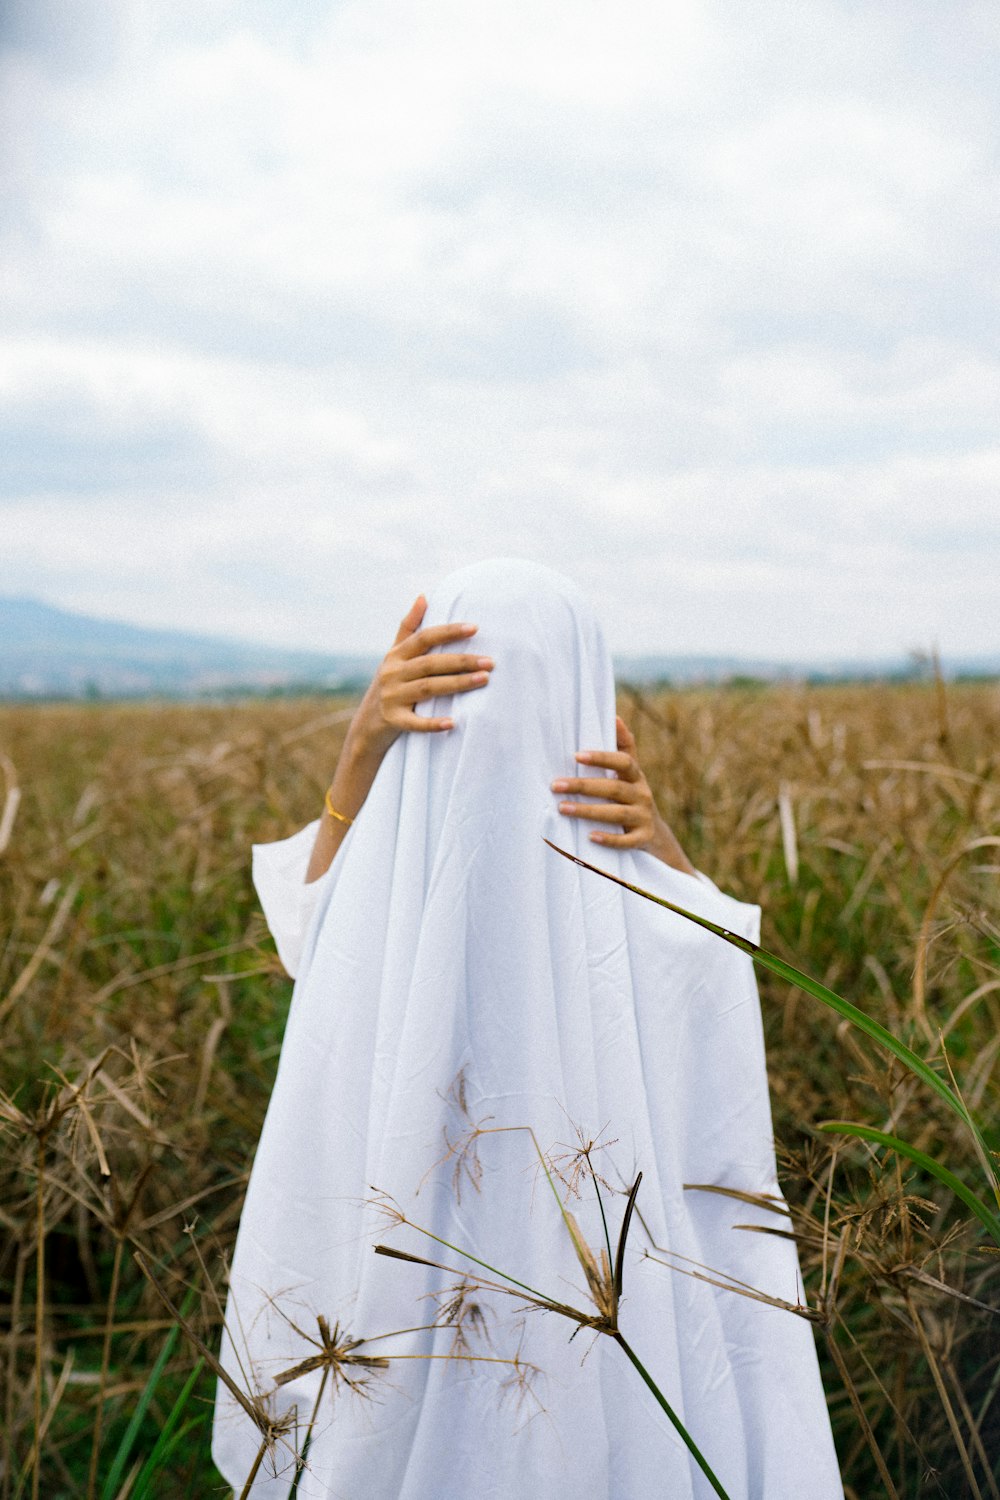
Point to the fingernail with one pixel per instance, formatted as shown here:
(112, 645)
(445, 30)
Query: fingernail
(566, 806)
(447, 723)
(583, 755)
(560, 786)
(597, 838)
(485, 661)
(481, 677)
(469, 629)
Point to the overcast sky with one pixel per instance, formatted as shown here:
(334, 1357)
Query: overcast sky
(305, 305)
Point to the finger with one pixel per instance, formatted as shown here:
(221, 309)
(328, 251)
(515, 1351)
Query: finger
(625, 739)
(613, 760)
(635, 840)
(442, 663)
(603, 812)
(603, 786)
(412, 723)
(438, 687)
(411, 619)
(434, 635)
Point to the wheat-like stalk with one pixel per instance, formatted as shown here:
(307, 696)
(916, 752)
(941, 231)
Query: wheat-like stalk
(865, 820)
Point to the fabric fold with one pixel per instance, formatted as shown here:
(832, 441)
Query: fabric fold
(287, 899)
(457, 982)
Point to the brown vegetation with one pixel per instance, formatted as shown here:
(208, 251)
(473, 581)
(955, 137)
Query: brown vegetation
(142, 1008)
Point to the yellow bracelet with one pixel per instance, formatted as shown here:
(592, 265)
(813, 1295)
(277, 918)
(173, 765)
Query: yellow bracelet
(340, 817)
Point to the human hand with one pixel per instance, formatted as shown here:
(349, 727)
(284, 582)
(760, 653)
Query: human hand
(409, 675)
(625, 800)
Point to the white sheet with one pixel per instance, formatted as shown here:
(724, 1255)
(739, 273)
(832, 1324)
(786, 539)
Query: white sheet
(447, 943)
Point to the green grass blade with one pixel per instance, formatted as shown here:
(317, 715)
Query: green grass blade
(975, 1204)
(167, 1439)
(623, 1237)
(113, 1480)
(149, 1489)
(467, 1255)
(789, 972)
(689, 1441)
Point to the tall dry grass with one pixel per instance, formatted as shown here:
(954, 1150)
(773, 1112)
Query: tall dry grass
(142, 1009)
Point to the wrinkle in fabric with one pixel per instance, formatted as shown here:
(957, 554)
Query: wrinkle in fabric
(452, 970)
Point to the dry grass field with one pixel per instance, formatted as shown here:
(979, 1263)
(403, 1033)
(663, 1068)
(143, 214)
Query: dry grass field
(142, 1007)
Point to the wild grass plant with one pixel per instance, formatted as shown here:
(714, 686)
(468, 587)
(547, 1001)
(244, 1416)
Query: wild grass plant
(603, 1269)
(142, 1007)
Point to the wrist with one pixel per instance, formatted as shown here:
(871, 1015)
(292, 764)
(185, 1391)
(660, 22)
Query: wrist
(357, 767)
(665, 847)
(365, 745)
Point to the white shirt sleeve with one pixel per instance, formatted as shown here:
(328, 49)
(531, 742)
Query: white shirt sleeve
(740, 917)
(697, 894)
(279, 876)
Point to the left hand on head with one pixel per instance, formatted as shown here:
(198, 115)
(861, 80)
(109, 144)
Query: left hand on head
(625, 800)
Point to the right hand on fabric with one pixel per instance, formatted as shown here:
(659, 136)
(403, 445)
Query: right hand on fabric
(410, 675)
(624, 799)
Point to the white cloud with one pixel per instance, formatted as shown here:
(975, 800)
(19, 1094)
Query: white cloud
(700, 300)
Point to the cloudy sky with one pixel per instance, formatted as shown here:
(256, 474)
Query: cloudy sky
(695, 299)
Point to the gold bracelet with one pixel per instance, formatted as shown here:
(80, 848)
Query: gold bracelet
(340, 817)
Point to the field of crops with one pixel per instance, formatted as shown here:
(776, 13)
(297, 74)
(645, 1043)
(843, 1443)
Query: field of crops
(142, 1006)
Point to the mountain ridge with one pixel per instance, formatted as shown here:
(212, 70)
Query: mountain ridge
(47, 651)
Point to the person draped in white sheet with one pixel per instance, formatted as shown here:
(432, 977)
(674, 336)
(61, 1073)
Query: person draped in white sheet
(452, 970)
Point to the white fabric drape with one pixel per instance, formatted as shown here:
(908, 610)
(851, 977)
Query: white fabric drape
(450, 967)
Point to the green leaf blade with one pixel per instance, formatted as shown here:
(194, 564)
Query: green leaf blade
(935, 1168)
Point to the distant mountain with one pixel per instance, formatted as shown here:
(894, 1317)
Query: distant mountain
(680, 670)
(47, 652)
